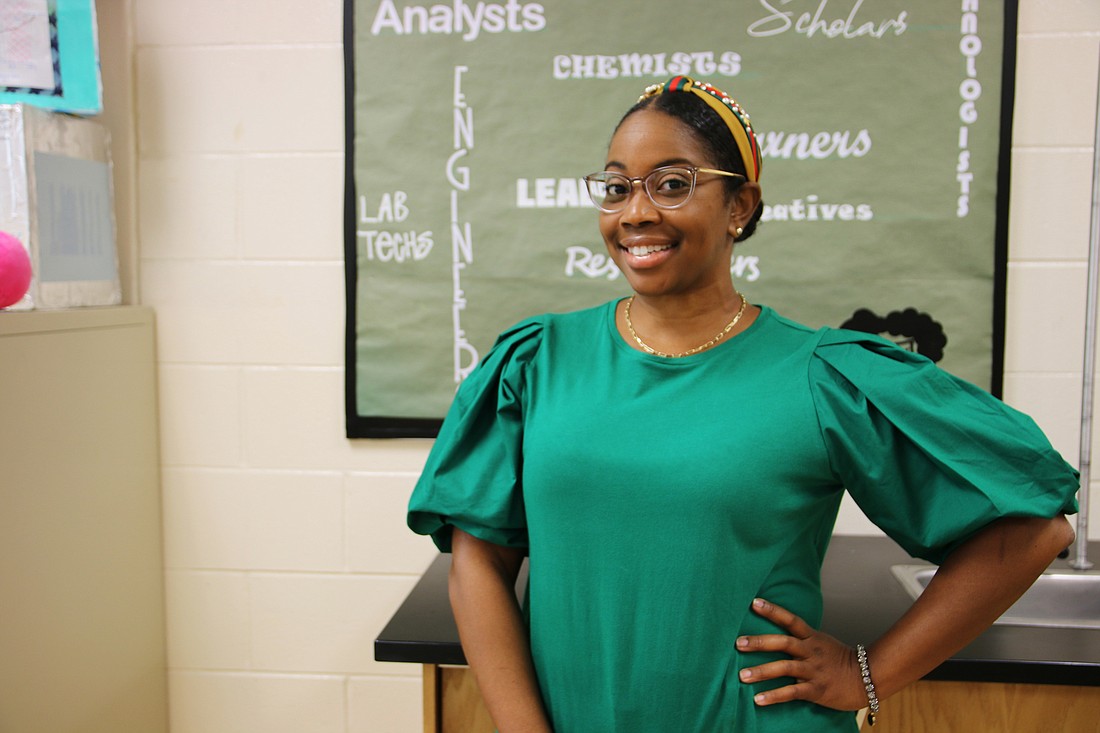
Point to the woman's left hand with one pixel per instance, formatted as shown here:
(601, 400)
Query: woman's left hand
(825, 670)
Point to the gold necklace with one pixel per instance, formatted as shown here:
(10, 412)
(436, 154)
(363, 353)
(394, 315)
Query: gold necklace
(650, 350)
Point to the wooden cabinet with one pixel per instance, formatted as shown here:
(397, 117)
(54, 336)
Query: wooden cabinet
(856, 569)
(452, 701)
(988, 707)
(82, 642)
(452, 704)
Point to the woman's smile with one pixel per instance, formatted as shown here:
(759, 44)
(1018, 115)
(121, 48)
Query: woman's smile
(644, 252)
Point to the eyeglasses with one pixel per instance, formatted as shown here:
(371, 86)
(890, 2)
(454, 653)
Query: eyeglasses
(669, 187)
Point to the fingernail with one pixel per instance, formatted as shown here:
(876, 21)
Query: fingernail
(742, 642)
(758, 603)
(759, 699)
(746, 674)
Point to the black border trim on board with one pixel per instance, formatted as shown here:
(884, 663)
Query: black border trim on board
(1004, 191)
(356, 425)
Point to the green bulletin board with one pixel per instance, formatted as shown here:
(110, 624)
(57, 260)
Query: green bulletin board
(884, 126)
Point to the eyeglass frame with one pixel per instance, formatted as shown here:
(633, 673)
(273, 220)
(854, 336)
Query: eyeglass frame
(695, 171)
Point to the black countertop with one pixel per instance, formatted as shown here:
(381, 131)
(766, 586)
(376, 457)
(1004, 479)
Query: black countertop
(862, 600)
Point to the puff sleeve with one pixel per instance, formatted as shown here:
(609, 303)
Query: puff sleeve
(472, 479)
(929, 458)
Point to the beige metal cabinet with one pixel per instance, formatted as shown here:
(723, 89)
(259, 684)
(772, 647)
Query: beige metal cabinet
(82, 642)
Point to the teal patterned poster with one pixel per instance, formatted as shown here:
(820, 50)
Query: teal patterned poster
(884, 127)
(49, 55)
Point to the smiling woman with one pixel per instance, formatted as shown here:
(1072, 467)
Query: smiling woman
(672, 464)
(673, 243)
(676, 241)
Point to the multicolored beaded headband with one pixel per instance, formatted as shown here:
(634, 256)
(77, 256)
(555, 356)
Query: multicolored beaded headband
(727, 108)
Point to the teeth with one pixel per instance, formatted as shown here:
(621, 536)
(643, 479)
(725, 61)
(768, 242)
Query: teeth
(647, 249)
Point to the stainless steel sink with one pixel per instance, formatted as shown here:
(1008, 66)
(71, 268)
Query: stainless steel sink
(1059, 599)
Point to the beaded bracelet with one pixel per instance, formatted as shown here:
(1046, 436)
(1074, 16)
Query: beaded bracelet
(865, 671)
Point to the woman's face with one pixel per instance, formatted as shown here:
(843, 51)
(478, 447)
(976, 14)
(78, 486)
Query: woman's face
(671, 251)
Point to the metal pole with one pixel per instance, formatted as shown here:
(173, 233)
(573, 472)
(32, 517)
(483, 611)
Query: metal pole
(1080, 560)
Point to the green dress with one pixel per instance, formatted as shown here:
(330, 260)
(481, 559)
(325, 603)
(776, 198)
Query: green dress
(657, 497)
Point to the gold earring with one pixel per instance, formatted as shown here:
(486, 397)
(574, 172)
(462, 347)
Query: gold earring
(739, 231)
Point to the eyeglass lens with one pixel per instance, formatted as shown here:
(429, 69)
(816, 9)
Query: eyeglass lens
(666, 187)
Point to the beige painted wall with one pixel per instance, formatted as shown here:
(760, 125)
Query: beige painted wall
(285, 543)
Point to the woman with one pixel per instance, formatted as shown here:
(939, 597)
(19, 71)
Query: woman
(672, 463)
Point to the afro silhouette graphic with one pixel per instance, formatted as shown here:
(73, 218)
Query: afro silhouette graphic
(910, 329)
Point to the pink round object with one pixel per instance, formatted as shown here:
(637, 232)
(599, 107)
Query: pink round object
(15, 270)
